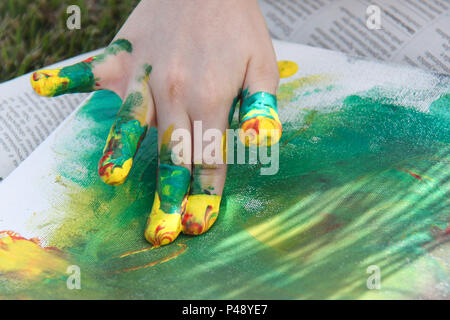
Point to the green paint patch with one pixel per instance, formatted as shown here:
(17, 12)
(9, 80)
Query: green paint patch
(364, 185)
(173, 185)
(258, 104)
(81, 78)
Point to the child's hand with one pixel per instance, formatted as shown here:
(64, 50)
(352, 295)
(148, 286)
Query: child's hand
(173, 63)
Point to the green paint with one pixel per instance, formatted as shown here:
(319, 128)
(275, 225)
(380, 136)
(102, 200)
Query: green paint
(133, 101)
(366, 184)
(241, 94)
(172, 187)
(261, 102)
(198, 185)
(165, 154)
(118, 46)
(146, 69)
(441, 106)
(125, 139)
(125, 135)
(81, 79)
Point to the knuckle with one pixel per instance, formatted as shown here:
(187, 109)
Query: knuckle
(170, 83)
(209, 94)
(176, 86)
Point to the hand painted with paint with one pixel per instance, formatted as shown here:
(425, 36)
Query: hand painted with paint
(174, 63)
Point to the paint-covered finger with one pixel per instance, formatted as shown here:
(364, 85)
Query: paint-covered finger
(258, 119)
(128, 131)
(85, 76)
(205, 195)
(164, 222)
(208, 172)
(258, 113)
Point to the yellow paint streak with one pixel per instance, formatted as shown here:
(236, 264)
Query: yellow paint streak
(159, 261)
(167, 136)
(287, 90)
(224, 144)
(126, 254)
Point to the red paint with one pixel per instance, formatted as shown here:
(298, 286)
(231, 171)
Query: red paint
(254, 124)
(101, 167)
(88, 60)
(414, 175)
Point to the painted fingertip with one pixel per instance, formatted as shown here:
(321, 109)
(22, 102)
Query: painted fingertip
(71, 79)
(162, 228)
(122, 144)
(48, 83)
(259, 120)
(261, 130)
(111, 173)
(201, 212)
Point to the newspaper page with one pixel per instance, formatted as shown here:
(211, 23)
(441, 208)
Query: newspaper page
(26, 119)
(415, 32)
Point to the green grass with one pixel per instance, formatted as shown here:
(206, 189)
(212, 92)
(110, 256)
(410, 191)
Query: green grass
(33, 34)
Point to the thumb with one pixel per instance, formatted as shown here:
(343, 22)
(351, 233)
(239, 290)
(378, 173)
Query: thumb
(89, 75)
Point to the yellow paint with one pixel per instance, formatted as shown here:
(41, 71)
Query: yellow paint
(47, 82)
(167, 136)
(130, 253)
(141, 112)
(202, 211)
(162, 228)
(287, 68)
(28, 259)
(260, 130)
(110, 136)
(287, 91)
(224, 144)
(159, 261)
(117, 175)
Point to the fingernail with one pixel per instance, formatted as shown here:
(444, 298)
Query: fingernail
(48, 82)
(259, 120)
(162, 228)
(261, 131)
(201, 212)
(164, 222)
(122, 144)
